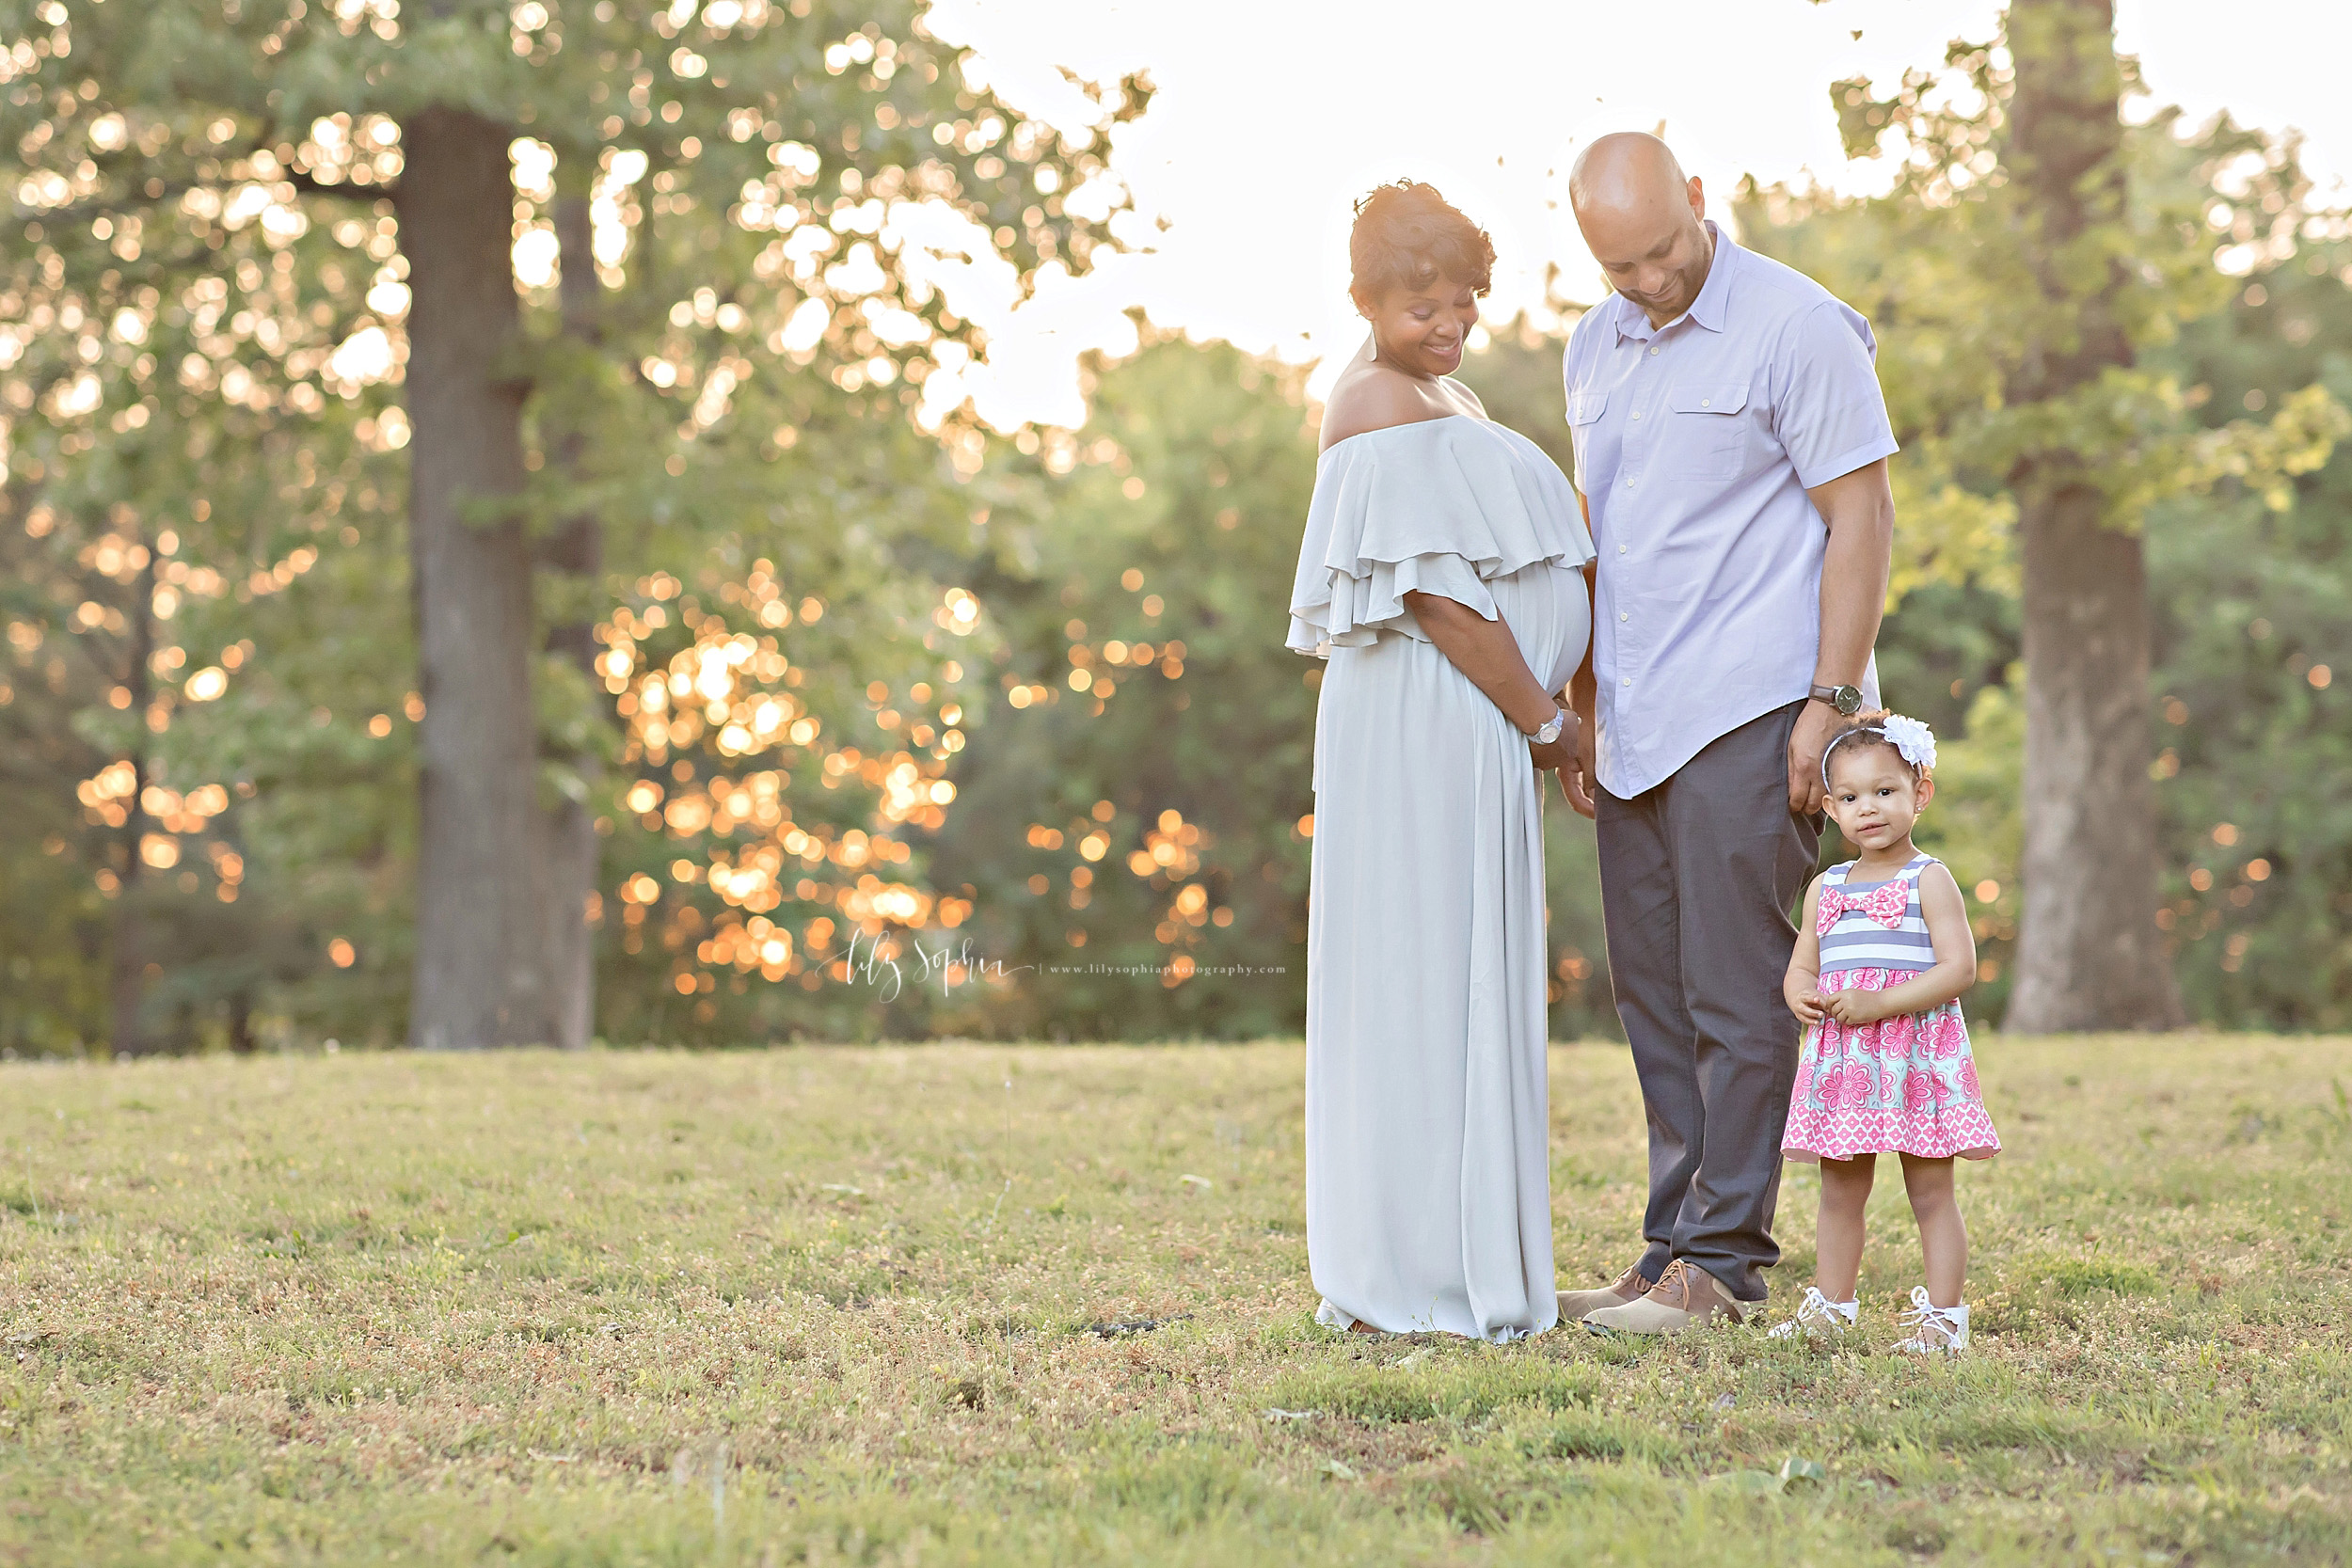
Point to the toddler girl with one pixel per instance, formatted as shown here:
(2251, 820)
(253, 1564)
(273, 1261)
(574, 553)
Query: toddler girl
(1881, 958)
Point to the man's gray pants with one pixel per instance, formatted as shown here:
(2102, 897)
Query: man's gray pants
(1697, 879)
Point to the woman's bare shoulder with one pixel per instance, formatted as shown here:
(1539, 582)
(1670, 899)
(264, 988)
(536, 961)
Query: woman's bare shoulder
(1373, 397)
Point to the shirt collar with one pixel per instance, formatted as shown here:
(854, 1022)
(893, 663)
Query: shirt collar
(1706, 309)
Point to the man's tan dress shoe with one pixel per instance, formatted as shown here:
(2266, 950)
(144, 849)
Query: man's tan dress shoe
(1629, 1287)
(1685, 1294)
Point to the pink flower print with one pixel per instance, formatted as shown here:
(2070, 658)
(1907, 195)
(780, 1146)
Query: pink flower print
(1856, 1090)
(1825, 1084)
(1896, 1034)
(1968, 1078)
(1918, 1093)
(1947, 1039)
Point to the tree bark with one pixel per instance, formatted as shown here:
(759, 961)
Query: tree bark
(578, 551)
(481, 976)
(2090, 954)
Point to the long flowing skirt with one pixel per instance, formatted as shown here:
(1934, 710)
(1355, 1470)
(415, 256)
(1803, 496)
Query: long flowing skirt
(1428, 1191)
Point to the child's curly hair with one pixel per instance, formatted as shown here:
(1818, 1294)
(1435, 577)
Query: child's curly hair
(1867, 730)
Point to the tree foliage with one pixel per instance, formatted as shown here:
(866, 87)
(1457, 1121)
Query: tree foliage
(2026, 272)
(205, 341)
(884, 726)
(2253, 631)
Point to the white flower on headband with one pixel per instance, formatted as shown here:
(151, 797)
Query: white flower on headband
(1910, 737)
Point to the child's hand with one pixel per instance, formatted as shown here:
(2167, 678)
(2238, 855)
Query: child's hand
(1806, 1005)
(1853, 1008)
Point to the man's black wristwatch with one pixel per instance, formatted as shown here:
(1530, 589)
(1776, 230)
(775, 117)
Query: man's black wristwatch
(1845, 699)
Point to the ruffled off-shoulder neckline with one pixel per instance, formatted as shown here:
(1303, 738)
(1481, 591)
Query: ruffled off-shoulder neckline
(1413, 425)
(1445, 505)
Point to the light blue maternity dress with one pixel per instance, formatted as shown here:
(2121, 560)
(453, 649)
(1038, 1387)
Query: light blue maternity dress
(1428, 1191)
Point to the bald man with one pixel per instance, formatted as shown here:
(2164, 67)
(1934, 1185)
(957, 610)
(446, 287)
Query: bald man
(1731, 447)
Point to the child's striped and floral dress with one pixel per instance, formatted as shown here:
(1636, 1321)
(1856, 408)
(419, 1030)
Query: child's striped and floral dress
(1901, 1084)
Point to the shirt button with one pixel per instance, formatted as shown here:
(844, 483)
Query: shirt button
(1637, 416)
(1621, 549)
(1629, 484)
(1627, 681)
(1704, 402)
(1653, 354)
(1621, 614)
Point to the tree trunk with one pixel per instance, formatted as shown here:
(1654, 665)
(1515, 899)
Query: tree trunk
(481, 974)
(578, 551)
(2090, 956)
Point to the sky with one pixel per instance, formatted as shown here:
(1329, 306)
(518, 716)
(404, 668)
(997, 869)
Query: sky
(1272, 115)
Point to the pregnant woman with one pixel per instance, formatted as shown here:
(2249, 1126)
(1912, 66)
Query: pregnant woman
(1441, 581)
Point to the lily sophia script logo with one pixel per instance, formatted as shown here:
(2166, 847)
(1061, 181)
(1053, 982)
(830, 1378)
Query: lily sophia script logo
(952, 965)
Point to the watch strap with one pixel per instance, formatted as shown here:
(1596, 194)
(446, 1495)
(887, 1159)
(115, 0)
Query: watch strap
(1831, 694)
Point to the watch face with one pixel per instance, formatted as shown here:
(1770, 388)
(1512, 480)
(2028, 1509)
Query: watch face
(1849, 700)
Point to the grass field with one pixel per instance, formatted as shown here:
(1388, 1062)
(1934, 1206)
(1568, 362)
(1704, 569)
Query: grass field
(834, 1306)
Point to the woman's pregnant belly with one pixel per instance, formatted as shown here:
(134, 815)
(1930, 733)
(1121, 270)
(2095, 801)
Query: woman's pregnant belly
(1549, 613)
(1400, 694)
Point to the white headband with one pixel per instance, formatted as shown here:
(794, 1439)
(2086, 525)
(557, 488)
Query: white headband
(1912, 739)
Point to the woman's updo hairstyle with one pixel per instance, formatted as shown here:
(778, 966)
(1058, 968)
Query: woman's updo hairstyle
(1408, 236)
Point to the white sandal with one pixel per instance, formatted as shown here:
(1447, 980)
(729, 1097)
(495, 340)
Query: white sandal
(1939, 1330)
(1815, 1314)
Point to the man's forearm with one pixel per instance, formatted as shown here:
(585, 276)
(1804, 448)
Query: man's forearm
(1583, 688)
(1860, 513)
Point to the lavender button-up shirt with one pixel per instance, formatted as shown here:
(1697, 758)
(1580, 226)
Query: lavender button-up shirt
(1695, 443)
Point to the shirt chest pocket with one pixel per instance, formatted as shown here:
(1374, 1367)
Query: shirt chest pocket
(1708, 429)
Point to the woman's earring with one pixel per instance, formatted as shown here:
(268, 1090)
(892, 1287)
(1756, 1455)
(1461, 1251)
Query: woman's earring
(1372, 350)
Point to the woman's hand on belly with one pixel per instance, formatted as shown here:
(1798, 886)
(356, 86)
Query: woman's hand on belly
(1489, 654)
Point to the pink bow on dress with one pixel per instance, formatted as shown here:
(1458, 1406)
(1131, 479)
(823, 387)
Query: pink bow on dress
(1885, 903)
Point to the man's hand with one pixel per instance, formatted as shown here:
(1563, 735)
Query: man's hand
(1815, 723)
(1578, 773)
(1560, 753)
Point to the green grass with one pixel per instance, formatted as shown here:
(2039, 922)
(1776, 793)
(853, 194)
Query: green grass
(833, 1306)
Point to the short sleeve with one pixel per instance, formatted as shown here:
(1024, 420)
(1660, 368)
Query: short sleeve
(1376, 601)
(1572, 359)
(1828, 411)
(1572, 370)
